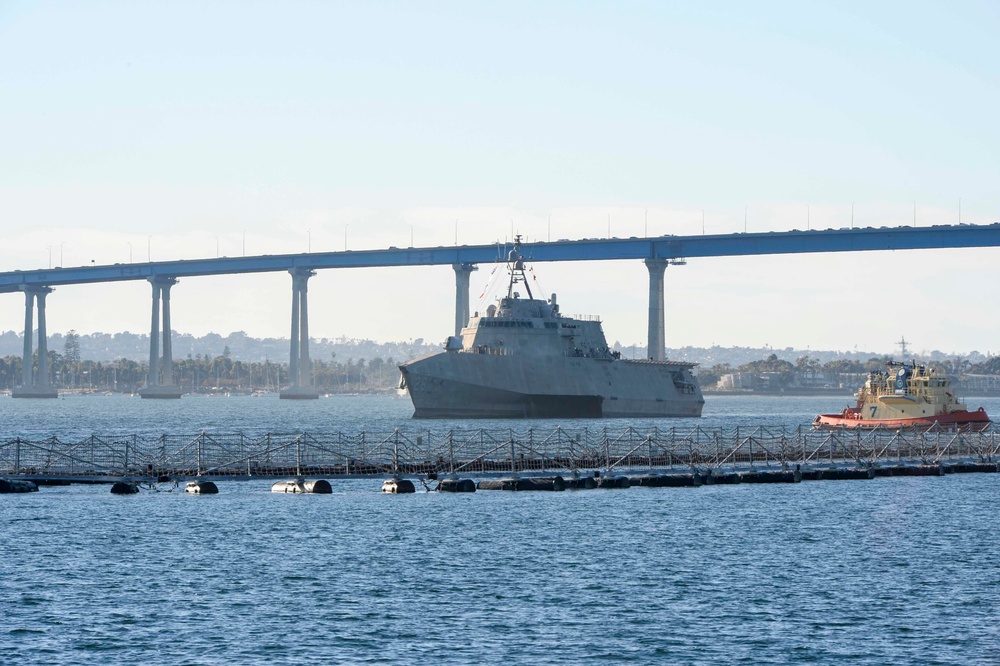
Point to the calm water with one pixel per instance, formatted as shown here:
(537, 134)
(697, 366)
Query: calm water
(893, 570)
(79, 416)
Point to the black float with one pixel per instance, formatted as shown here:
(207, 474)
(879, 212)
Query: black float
(201, 488)
(125, 488)
(396, 486)
(529, 483)
(17, 486)
(456, 486)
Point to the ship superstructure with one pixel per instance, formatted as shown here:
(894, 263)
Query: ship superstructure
(523, 358)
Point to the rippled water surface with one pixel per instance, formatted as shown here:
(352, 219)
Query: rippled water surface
(77, 416)
(891, 570)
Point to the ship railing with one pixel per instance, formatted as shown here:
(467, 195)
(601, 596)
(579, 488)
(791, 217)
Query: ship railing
(585, 317)
(487, 350)
(593, 353)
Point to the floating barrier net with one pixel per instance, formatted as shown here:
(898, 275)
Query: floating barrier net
(487, 451)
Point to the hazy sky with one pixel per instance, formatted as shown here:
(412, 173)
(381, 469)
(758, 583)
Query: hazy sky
(179, 130)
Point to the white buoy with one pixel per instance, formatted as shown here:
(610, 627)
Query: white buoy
(398, 486)
(301, 486)
(201, 488)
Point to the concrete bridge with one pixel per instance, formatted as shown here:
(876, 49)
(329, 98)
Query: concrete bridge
(656, 252)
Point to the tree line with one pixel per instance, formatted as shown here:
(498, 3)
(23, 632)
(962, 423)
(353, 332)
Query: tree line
(202, 373)
(808, 371)
(207, 373)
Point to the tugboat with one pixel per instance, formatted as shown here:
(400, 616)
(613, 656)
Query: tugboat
(524, 359)
(904, 395)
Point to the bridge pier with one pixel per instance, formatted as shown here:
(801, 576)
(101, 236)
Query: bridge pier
(31, 388)
(160, 380)
(657, 342)
(299, 365)
(462, 274)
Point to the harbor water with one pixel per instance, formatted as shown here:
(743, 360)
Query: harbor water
(893, 570)
(78, 416)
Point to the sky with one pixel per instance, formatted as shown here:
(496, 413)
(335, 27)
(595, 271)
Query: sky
(173, 130)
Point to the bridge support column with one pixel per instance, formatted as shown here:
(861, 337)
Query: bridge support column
(462, 274)
(40, 388)
(657, 338)
(29, 330)
(299, 364)
(167, 371)
(160, 379)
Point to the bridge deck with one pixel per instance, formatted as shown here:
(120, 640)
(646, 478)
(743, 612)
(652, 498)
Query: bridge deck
(662, 247)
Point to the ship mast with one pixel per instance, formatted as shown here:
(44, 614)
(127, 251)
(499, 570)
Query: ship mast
(902, 346)
(515, 264)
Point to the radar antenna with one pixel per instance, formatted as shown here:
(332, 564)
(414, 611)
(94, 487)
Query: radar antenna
(902, 346)
(515, 264)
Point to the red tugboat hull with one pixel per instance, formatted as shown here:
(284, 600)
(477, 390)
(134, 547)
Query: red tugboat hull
(851, 418)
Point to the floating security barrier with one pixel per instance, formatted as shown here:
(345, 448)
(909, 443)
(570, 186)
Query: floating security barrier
(319, 487)
(971, 468)
(301, 486)
(837, 474)
(910, 470)
(398, 486)
(666, 480)
(201, 488)
(497, 484)
(771, 476)
(556, 483)
(613, 482)
(581, 483)
(456, 486)
(716, 478)
(124, 488)
(647, 480)
(527, 483)
(17, 486)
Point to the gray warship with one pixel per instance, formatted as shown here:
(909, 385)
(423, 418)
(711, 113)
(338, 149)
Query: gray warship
(524, 359)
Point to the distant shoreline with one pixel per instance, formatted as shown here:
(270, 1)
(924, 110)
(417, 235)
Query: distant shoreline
(834, 392)
(790, 392)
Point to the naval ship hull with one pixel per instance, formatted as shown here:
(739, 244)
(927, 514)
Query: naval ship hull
(468, 385)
